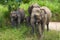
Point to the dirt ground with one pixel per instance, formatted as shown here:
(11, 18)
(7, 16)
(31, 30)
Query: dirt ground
(54, 26)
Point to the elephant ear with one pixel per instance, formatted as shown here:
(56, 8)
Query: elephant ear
(30, 9)
(42, 13)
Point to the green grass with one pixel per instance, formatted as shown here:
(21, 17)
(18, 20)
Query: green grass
(23, 33)
(52, 35)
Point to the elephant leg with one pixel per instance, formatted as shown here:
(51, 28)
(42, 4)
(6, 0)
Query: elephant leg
(42, 27)
(32, 25)
(28, 23)
(12, 22)
(47, 25)
(40, 33)
(32, 28)
(19, 20)
(16, 23)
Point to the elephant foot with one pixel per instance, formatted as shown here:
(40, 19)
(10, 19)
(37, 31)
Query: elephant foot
(47, 29)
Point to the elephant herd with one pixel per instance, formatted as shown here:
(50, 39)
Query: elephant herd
(38, 17)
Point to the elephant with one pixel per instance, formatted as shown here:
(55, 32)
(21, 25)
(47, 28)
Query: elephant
(47, 16)
(37, 24)
(36, 20)
(17, 16)
(40, 17)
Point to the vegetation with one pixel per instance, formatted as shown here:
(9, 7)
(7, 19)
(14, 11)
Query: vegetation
(23, 32)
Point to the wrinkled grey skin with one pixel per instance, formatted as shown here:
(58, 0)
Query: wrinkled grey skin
(17, 17)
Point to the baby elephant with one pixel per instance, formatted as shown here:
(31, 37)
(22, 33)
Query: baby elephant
(17, 17)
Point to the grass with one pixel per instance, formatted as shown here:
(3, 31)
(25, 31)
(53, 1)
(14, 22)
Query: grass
(52, 35)
(23, 33)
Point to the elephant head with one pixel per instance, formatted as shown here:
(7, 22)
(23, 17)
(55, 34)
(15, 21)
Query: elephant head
(13, 17)
(32, 6)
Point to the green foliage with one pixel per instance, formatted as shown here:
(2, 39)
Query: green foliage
(25, 7)
(26, 1)
(50, 35)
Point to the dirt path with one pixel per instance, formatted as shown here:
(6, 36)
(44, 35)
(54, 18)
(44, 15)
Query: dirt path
(54, 26)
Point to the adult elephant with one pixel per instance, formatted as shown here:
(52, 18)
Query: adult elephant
(17, 16)
(47, 16)
(40, 17)
(36, 21)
